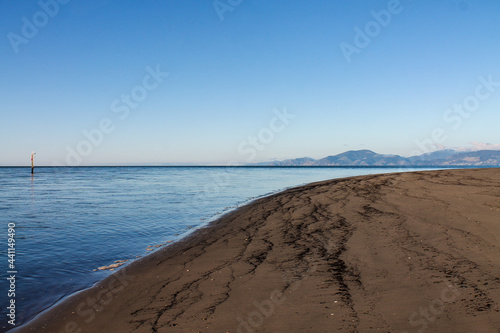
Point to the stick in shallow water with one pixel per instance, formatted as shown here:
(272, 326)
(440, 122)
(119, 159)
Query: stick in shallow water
(32, 162)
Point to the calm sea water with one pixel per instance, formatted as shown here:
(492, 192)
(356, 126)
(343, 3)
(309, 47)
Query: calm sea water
(69, 221)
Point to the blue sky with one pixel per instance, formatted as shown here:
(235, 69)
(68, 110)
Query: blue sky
(248, 82)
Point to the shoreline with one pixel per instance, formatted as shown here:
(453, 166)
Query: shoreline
(188, 233)
(196, 282)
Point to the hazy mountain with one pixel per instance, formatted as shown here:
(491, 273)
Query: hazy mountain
(435, 155)
(473, 158)
(446, 157)
(361, 157)
(302, 161)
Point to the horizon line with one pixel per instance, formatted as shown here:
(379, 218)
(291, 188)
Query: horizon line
(251, 166)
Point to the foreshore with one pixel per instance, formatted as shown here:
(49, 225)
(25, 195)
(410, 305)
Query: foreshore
(403, 252)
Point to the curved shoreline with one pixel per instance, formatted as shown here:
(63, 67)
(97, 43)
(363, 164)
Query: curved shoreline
(308, 249)
(188, 233)
(205, 222)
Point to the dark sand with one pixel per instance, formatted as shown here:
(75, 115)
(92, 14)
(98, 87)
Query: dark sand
(402, 252)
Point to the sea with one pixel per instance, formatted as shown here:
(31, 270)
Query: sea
(62, 223)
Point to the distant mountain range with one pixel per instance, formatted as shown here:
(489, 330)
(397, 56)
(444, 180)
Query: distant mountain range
(447, 157)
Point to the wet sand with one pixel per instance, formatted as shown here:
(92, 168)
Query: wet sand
(407, 252)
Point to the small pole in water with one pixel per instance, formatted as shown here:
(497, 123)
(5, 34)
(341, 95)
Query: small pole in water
(32, 163)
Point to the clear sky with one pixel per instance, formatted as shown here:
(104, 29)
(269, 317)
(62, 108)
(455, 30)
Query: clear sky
(190, 81)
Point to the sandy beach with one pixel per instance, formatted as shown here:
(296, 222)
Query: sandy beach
(405, 252)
